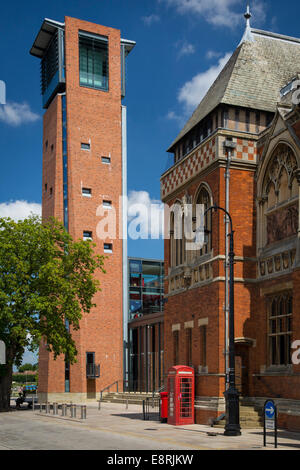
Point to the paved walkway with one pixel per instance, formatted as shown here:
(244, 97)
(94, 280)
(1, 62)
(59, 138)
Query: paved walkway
(116, 428)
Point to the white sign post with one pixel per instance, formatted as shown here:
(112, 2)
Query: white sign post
(2, 353)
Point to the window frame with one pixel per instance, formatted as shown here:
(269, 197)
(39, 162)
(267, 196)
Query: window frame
(277, 320)
(94, 43)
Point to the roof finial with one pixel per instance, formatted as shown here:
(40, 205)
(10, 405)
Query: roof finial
(248, 15)
(248, 36)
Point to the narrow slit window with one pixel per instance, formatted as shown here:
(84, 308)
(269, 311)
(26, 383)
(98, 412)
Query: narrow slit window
(106, 160)
(87, 235)
(247, 121)
(108, 248)
(87, 192)
(85, 146)
(107, 204)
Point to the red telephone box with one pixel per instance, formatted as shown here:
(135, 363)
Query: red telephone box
(181, 386)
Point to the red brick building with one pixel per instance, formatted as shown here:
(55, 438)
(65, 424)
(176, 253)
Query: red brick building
(249, 104)
(84, 173)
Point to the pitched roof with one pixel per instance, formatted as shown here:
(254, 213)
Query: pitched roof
(253, 76)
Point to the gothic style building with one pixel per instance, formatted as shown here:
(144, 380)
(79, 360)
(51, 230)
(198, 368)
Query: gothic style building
(252, 104)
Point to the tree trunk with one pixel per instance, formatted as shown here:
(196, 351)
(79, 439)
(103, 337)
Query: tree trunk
(6, 372)
(5, 389)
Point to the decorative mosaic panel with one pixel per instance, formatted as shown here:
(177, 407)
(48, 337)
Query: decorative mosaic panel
(189, 167)
(200, 159)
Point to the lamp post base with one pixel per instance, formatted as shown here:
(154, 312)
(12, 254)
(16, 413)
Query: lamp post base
(232, 427)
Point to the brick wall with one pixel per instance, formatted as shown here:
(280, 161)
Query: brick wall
(94, 117)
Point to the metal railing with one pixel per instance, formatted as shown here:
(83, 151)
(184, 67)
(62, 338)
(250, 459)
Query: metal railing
(151, 409)
(93, 371)
(109, 387)
(159, 390)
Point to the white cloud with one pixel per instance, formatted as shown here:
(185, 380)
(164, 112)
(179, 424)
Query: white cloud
(218, 12)
(180, 119)
(213, 54)
(145, 216)
(194, 90)
(16, 114)
(149, 20)
(19, 210)
(184, 48)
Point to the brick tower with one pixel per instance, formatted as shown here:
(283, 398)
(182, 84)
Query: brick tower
(84, 169)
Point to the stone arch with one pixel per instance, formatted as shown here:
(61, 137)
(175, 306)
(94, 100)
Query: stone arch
(277, 192)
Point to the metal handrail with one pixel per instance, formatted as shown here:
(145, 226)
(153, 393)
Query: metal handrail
(108, 388)
(161, 389)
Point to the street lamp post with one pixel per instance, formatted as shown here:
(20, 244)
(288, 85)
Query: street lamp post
(232, 427)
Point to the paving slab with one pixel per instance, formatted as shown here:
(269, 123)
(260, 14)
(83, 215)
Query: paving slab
(114, 427)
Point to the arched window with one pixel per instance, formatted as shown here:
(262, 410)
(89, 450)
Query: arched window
(172, 244)
(278, 217)
(177, 239)
(204, 199)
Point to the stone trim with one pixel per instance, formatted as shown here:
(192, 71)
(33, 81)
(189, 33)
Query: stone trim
(276, 288)
(244, 340)
(176, 327)
(202, 322)
(189, 324)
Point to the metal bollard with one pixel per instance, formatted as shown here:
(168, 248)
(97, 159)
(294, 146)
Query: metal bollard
(126, 404)
(83, 411)
(47, 407)
(55, 408)
(99, 406)
(64, 409)
(73, 411)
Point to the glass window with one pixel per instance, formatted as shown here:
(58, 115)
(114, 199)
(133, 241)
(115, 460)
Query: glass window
(93, 62)
(247, 120)
(87, 235)
(176, 348)
(280, 329)
(107, 204)
(203, 333)
(189, 344)
(85, 146)
(108, 248)
(106, 160)
(86, 192)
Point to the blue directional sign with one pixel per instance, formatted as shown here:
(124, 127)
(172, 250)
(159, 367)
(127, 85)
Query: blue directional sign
(270, 420)
(270, 410)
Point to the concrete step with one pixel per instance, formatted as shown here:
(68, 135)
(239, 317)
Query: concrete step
(249, 418)
(123, 397)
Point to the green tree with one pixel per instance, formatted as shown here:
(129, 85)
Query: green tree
(26, 366)
(46, 283)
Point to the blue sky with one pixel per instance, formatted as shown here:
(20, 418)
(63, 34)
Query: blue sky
(181, 47)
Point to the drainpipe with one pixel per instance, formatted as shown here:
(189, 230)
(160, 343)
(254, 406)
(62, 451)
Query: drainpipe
(124, 249)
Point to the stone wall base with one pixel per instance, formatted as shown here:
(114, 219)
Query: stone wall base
(209, 408)
(65, 398)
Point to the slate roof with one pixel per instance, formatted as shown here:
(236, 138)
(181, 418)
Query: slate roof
(253, 76)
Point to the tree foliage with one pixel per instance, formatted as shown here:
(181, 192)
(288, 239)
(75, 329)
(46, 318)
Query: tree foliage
(46, 283)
